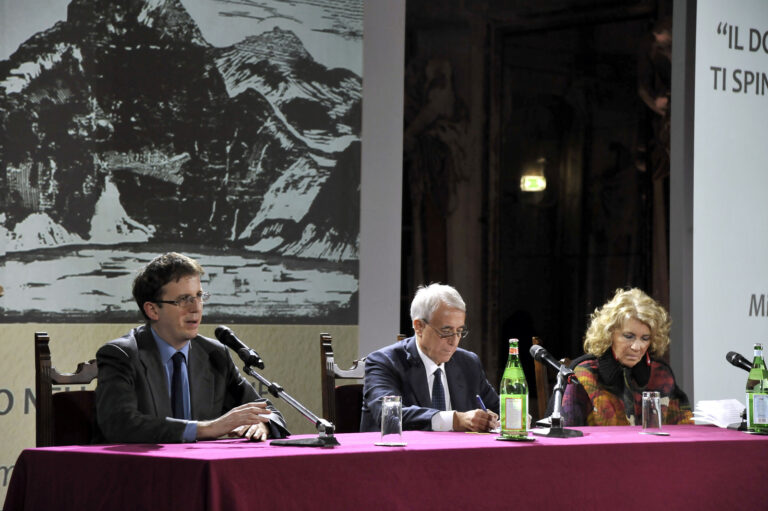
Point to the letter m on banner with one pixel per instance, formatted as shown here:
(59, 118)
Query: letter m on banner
(757, 308)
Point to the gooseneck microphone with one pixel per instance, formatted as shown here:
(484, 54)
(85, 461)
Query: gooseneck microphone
(542, 355)
(738, 360)
(228, 338)
(556, 429)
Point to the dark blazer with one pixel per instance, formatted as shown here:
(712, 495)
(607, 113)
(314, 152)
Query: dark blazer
(398, 370)
(132, 396)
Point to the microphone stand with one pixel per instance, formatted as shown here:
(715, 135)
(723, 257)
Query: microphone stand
(739, 361)
(556, 429)
(743, 424)
(325, 428)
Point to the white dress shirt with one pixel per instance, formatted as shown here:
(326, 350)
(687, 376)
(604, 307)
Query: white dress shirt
(443, 420)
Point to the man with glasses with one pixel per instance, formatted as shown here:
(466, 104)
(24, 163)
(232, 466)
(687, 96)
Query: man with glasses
(439, 383)
(163, 382)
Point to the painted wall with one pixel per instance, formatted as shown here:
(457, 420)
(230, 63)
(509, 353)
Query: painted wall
(381, 173)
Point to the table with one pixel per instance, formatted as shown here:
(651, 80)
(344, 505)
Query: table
(696, 467)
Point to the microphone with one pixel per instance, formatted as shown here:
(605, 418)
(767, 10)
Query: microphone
(738, 360)
(229, 339)
(542, 355)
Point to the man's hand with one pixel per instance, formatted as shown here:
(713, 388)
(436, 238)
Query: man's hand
(256, 432)
(475, 420)
(248, 415)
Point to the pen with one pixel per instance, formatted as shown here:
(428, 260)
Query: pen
(480, 402)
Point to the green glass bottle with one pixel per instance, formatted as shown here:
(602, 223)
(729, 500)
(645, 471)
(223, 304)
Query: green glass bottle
(757, 393)
(514, 396)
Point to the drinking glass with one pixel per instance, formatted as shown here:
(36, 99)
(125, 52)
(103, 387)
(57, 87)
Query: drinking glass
(391, 421)
(652, 414)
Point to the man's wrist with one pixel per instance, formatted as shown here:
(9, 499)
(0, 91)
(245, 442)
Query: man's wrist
(456, 422)
(203, 430)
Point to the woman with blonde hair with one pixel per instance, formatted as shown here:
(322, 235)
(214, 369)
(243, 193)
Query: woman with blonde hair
(622, 345)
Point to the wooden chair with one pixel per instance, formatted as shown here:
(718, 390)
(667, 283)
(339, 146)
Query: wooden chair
(342, 404)
(67, 417)
(542, 381)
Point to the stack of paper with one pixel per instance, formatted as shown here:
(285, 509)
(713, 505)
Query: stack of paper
(721, 412)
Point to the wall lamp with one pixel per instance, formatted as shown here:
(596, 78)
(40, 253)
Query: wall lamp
(533, 179)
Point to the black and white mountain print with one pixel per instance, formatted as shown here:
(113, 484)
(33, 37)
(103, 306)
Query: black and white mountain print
(124, 134)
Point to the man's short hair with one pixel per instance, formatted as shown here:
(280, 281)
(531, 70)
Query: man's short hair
(428, 299)
(158, 272)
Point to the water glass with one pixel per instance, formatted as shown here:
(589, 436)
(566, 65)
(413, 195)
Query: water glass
(652, 413)
(391, 421)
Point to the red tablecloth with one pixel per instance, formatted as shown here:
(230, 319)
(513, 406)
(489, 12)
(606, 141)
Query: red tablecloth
(695, 468)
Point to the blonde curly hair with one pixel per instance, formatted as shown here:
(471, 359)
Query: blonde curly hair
(625, 305)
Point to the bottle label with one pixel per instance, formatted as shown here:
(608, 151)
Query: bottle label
(513, 350)
(514, 413)
(760, 409)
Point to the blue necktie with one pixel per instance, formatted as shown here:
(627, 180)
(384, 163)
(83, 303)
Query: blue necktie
(438, 393)
(177, 387)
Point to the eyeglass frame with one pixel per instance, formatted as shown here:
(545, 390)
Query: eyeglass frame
(463, 333)
(188, 301)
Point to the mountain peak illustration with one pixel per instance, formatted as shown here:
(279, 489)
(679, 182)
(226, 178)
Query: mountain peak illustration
(276, 45)
(138, 21)
(127, 98)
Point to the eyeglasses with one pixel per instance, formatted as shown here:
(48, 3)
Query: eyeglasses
(187, 301)
(462, 332)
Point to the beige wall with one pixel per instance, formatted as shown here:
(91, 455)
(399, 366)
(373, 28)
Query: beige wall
(290, 353)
